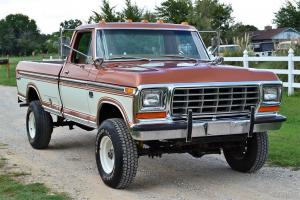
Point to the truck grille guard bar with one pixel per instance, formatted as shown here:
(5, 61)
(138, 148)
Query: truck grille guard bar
(190, 124)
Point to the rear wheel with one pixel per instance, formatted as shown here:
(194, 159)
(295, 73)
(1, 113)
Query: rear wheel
(39, 126)
(116, 154)
(251, 157)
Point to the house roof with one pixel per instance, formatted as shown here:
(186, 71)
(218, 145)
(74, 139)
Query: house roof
(267, 34)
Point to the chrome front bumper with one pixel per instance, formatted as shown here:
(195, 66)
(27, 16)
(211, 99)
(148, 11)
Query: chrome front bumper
(204, 128)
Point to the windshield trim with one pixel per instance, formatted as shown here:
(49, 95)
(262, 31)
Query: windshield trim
(205, 48)
(106, 59)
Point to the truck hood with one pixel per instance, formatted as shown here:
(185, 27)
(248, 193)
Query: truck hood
(140, 73)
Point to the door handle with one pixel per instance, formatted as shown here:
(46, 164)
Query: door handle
(67, 72)
(91, 94)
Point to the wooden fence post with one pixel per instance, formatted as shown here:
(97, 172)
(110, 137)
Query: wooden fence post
(291, 78)
(245, 59)
(8, 70)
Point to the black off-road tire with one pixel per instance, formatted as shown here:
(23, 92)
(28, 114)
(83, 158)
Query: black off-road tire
(43, 126)
(125, 154)
(252, 158)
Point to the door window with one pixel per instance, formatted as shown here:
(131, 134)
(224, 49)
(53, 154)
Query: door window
(84, 45)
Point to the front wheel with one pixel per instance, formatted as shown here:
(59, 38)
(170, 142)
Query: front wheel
(251, 157)
(116, 154)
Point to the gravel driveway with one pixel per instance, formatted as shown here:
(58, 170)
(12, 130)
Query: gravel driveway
(69, 166)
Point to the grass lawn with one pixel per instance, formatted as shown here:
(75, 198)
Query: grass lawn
(10, 189)
(11, 81)
(285, 143)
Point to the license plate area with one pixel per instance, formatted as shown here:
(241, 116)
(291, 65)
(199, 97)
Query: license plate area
(227, 128)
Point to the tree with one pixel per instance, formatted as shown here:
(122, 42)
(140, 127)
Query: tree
(175, 11)
(239, 30)
(95, 18)
(20, 35)
(70, 24)
(288, 15)
(53, 42)
(212, 15)
(107, 13)
(131, 11)
(150, 16)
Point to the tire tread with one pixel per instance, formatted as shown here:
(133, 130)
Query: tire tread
(130, 156)
(44, 126)
(254, 159)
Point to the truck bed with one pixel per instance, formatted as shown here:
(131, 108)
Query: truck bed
(41, 76)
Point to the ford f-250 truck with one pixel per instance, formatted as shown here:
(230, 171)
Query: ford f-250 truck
(150, 89)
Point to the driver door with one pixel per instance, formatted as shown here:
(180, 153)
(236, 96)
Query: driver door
(74, 78)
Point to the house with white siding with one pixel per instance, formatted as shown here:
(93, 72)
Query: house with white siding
(267, 40)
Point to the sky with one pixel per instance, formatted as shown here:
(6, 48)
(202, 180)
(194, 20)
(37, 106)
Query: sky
(49, 14)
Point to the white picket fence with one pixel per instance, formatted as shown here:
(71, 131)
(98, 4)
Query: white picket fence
(291, 72)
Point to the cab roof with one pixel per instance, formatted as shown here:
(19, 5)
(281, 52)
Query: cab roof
(138, 25)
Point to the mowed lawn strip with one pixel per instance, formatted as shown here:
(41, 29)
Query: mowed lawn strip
(285, 143)
(11, 81)
(10, 189)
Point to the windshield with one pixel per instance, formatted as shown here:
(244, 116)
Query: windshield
(150, 44)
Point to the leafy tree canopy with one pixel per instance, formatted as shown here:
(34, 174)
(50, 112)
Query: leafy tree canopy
(131, 11)
(150, 16)
(175, 11)
(288, 15)
(238, 30)
(107, 12)
(70, 24)
(211, 15)
(16, 35)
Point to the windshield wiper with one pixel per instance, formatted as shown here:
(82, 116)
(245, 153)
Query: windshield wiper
(184, 57)
(130, 57)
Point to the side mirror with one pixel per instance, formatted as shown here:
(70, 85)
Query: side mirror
(65, 51)
(218, 60)
(98, 62)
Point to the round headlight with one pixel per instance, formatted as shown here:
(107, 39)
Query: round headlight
(271, 94)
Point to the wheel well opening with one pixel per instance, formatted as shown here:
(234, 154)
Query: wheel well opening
(109, 111)
(32, 95)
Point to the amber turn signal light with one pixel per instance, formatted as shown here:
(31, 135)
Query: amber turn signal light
(151, 115)
(268, 109)
(129, 90)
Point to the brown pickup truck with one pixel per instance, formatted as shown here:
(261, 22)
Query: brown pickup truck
(150, 89)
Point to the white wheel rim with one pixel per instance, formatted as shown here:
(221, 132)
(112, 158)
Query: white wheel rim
(107, 154)
(31, 125)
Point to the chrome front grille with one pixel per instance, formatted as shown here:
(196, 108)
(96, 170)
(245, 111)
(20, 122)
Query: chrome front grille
(212, 101)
